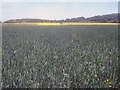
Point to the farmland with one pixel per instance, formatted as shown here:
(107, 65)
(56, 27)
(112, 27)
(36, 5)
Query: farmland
(59, 56)
(59, 24)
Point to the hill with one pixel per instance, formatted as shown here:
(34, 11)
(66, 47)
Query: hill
(104, 18)
(110, 18)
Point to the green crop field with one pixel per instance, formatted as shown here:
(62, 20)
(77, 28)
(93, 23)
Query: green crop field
(59, 56)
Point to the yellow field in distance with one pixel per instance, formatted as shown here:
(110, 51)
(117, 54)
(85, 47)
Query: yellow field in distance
(59, 24)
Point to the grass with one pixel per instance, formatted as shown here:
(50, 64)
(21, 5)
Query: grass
(59, 56)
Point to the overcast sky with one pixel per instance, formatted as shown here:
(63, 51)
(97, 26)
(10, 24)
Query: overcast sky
(55, 10)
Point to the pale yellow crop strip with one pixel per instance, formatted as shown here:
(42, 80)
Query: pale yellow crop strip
(59, 24)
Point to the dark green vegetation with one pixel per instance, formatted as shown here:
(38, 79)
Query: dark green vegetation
(60, 56)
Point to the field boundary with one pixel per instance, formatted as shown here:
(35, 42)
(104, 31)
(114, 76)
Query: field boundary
(60, 24)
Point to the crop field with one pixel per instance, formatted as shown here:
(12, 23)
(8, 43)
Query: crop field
(59, 56)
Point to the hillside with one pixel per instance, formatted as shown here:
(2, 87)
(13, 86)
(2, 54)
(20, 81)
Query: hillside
(104, 18)
(111, 18)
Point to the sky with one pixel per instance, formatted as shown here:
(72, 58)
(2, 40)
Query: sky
(59, 0)
(13, 9)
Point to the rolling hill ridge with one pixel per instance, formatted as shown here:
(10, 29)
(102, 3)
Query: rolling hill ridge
(110, 18)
